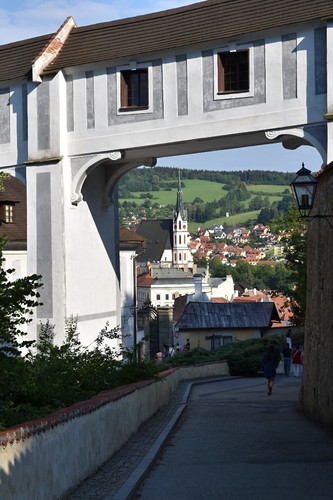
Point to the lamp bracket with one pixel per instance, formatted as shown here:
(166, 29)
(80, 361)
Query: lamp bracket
(310, 218)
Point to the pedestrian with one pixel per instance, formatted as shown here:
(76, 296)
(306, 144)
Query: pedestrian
(288, 338)
(297, 356)
(159, 357)
(171, 350)
(286, 352)
(188, 344)
(165, 350)
(178, 348)
(269, 364)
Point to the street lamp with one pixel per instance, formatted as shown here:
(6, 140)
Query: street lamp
(304, 188)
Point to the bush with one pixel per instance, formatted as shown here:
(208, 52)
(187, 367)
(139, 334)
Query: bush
(55, 377)
(244, 357)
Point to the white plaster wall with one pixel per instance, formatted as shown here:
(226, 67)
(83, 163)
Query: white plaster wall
(57, 266)
(14, 152)
(16, 259)
(90, 245)
(330, 90)
(127, 288)
(166, 257)
(274, 113)
(49, 464)
(84, 264)
(225, 289)
(180, 289)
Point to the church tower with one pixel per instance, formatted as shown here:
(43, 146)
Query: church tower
(181, 255)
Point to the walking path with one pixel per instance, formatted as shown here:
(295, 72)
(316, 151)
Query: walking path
(116, 473)
(231, 442)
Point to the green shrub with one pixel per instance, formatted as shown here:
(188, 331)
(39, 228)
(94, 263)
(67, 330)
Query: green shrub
(244, 357)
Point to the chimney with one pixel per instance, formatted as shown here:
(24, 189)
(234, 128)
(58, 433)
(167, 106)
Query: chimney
(197, 278)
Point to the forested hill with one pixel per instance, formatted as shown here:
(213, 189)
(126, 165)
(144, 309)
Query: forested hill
(145, 179)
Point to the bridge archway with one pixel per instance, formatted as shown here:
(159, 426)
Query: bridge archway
(69, 120)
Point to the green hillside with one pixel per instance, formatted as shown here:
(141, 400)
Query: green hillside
(208, 191)
(231, 220)
(207, 195)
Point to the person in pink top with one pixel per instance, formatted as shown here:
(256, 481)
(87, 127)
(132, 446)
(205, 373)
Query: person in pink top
(296, 356)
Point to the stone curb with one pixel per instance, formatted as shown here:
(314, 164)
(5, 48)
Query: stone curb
(127, 491)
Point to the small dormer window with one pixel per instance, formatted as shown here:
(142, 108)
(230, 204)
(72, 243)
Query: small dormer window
(9, 214)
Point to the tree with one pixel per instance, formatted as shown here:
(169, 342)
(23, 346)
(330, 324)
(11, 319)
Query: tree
(17, 300)
(244, 272)
(296, 256)
(217, 269)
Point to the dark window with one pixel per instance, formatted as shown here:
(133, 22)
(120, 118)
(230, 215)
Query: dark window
(166, 296)
(158, 297)
(134, 89)
(233, 71)
(215, 342)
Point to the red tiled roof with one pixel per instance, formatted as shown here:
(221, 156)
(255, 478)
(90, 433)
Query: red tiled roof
(219, 299)
(145, 279)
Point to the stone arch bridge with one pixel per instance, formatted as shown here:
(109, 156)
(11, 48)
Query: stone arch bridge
(81, 107)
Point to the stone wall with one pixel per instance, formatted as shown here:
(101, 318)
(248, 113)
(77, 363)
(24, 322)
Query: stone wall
(316, 397)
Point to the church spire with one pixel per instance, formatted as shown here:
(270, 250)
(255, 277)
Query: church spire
(181, 255)
(179, 206)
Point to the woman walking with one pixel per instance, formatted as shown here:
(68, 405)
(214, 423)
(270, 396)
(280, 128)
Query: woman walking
(296, 355)
(269, 363)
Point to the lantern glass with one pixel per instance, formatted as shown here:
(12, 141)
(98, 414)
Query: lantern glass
(304, 189)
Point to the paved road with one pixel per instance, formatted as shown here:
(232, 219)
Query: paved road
(233, 442)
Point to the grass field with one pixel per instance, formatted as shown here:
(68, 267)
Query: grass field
(209, 191)
(233, 219)
(264, 188)
(206, 190)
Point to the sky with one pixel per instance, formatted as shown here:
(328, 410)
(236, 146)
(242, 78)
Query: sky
(21, 19)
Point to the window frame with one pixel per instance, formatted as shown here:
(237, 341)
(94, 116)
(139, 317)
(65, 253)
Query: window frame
(7, 212)
(232, 94)
(122, 108)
